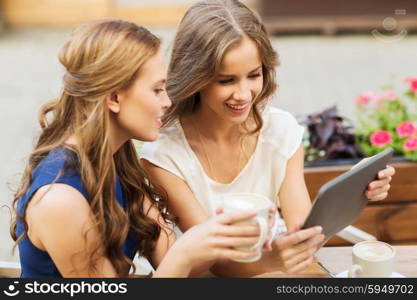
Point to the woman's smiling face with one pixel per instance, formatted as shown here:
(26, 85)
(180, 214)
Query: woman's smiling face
(233, 91)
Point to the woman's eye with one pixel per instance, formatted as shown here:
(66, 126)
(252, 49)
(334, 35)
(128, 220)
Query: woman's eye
(225, 81)
(255, 75)
(157, 91)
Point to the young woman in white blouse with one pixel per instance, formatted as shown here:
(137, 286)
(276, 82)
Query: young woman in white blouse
(220, 137)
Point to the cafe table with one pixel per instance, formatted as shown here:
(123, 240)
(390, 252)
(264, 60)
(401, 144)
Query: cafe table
(328, 259)
(338, 259)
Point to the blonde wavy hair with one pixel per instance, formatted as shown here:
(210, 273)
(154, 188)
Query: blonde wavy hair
(100, 57)
(208, 29)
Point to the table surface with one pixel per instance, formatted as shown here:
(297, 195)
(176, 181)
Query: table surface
(339, 259)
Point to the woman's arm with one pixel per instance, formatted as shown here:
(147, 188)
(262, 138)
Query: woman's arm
(58, 216)
(166, 263)
(166, 237)
(294, 199)
(181, 200)
(295, 205)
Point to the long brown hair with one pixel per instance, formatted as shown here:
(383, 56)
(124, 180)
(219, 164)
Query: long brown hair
(100, 57)
(208, 29)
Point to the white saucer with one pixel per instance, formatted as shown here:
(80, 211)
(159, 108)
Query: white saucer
(344, 274)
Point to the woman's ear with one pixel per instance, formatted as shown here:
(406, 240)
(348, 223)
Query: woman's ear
(113, 102)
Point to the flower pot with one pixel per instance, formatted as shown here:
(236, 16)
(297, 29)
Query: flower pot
(347, 162)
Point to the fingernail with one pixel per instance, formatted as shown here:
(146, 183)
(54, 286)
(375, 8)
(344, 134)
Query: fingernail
(381, 174)
(319, 228)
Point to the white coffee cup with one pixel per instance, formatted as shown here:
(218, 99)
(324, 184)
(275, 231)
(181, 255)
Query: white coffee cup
(244, 202)
(372, 259)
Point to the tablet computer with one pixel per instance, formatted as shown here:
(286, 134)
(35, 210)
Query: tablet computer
(340, 201)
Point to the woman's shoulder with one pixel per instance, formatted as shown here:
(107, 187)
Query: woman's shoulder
(57, 200)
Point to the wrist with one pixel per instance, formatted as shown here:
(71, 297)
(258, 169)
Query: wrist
(179, 260)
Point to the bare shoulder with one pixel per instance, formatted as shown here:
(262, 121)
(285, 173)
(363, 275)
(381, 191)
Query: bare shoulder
(57, 203)
(58, 196)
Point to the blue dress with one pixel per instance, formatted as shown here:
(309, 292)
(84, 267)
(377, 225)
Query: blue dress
(36, 263)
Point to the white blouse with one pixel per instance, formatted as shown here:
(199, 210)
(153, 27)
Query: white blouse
(279, 138)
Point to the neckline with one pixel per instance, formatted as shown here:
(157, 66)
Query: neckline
(192, 153)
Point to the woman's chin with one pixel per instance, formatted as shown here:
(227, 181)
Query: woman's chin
(149, 137)
(238, 119)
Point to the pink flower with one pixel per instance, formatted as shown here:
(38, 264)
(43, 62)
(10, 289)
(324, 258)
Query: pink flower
(406, 128)
(387, 95)
(390, 95)
(413, 84)
(381, 138)
(364, 98)
(410, 144)
(268, 100)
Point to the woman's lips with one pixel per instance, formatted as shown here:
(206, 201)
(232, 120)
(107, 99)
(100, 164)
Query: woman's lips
(238, 109)
(159, 122)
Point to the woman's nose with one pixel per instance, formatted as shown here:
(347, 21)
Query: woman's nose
(242, 92)
(166, 103)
